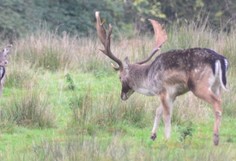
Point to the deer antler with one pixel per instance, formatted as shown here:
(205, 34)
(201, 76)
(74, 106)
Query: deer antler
(160, 36)
(105, 39)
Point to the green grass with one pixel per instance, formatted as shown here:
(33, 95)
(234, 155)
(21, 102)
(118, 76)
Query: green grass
(122, 143)
(68, 80)
(110, 132)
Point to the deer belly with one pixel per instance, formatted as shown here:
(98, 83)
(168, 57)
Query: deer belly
(145, 91)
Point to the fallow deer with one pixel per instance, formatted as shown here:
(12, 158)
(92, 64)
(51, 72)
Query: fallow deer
(3, 62)
(199, 70)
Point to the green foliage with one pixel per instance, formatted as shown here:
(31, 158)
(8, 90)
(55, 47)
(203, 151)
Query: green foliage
(146, 9)
(186, 131)
(220, 14)
(18, 17)
(81, 106)
(69, 80)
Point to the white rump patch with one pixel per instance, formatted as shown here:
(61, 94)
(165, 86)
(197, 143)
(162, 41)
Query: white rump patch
(218, 73)
(1, 72)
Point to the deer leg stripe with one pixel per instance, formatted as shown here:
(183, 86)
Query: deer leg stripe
(2, 72)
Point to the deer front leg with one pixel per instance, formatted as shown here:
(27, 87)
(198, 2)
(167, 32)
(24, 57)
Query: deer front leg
(156, 122)
(167, 112)
(1, 87)
(2, 77)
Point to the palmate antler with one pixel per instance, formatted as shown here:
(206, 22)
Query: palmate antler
(105, 39)
(160, 37)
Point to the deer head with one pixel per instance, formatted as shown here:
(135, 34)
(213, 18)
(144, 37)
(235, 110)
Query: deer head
(4, 54)
(3, 62)
(127, 70)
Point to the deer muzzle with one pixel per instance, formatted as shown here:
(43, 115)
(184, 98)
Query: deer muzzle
(124, 96)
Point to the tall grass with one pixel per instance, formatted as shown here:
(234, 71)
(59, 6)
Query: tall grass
(20, 76)
(104, 113)
(32, 109)
(189, 108)
(115, 149)
(50, 51)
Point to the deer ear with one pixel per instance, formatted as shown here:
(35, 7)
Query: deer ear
(126, 62)
(6, 50)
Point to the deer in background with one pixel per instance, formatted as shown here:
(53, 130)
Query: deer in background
(199, 70)
(3, 62)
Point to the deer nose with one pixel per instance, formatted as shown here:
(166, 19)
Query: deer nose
(4, 63)
(124, 96)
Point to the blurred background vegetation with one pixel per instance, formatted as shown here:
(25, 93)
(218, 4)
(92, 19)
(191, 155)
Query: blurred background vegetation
(18, 17)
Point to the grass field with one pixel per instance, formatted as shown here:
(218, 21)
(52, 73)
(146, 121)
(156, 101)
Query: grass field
(61, 101)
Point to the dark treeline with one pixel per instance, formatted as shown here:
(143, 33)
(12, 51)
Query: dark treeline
(18, 17)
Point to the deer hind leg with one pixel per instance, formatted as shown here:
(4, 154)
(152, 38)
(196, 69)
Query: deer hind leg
(213, 97)
(218, 112)
(1, 86)
(1, 89)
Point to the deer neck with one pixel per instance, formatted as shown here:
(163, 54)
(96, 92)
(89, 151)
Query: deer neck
(141, 82)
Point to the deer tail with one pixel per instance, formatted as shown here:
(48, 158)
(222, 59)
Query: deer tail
(221, 67)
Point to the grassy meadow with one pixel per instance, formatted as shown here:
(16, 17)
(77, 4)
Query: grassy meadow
(61, 101)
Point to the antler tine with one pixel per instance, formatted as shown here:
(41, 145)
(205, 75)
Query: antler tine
(100, 29)
(160, 33)
(160, 37)
(105, 39)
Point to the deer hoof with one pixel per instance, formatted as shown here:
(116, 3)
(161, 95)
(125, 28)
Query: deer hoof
(216, 139)
(153, 137)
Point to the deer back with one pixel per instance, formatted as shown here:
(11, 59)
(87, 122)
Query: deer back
(183, 67)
